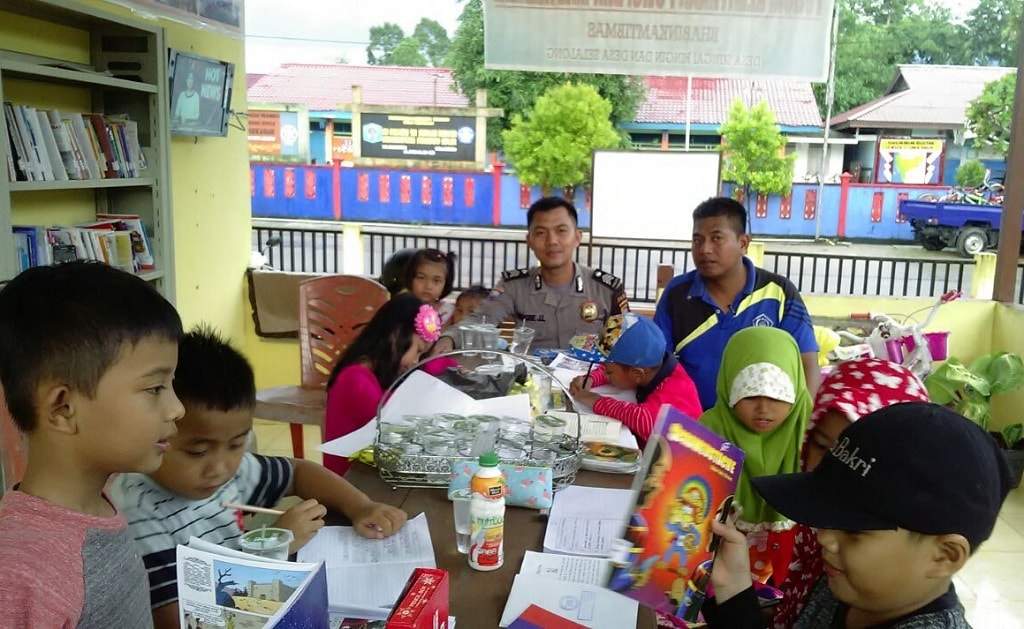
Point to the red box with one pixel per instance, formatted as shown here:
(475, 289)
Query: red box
(423, 603)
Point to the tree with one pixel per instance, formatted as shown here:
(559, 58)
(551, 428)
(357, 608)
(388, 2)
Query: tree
(754, 151)
(407, 53)
(516, 92)
(433, 40)
(552, 145)
(991, 32)
(990, 115)
(383, 41)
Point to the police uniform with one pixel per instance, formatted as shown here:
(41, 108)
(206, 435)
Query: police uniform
(556, 314)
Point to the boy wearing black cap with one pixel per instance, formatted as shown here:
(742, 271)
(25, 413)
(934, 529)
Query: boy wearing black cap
(901, 501)
(637, 359)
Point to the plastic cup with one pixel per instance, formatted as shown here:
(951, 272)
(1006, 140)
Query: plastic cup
(271, 543)
(469, 339)
(460, 506)
(488, 335)
(522, 337)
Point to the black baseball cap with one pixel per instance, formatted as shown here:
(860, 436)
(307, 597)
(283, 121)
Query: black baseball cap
(914, 466)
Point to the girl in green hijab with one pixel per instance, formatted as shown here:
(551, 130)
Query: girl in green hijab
(762, 406)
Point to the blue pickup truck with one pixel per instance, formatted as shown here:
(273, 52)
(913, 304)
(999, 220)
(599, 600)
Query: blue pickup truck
(969, 228)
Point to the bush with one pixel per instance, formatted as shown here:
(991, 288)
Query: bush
(970, 174)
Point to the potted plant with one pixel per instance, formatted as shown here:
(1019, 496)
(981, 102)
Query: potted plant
(968, 389)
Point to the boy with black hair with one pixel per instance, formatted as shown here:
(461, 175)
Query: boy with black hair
(207, 465)
(467, 301)
(87, 356)
(901, 501)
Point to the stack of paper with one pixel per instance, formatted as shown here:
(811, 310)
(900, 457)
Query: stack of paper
(585, 520)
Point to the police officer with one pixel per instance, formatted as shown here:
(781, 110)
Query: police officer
(559, 298)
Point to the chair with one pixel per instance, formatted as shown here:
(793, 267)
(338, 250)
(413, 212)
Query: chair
(332, 311)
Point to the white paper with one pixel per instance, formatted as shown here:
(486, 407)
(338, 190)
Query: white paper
(423, 394)
(593, 427)
(588, 570)
(366, 576)
(566, 362)
(585, 520)
(589, 605)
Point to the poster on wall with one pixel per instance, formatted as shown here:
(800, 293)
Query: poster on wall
(342, 149)
(909, 160)
(396, 136)
(274, 136)
(225, 16)
(705, 38)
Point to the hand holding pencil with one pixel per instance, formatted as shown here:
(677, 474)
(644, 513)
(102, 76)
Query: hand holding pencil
(303, 520)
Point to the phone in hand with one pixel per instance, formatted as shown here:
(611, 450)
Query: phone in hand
(721, 515)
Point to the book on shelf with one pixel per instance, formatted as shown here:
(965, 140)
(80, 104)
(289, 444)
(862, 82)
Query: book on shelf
(221, 587)
(119, 240)
(687, 479)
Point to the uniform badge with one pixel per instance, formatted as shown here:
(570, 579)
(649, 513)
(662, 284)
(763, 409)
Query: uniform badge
(589, 311)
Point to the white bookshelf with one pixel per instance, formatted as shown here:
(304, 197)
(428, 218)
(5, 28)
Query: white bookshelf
(126, 73)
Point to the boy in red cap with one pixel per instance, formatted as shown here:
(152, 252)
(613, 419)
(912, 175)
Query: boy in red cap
(901, 501)
(637, 359)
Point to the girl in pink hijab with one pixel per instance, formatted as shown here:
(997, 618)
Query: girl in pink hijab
(853, 389)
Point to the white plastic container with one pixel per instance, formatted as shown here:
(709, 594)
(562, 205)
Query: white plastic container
(487, 516)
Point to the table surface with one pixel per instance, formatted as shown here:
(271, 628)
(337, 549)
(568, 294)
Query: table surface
(477, 599)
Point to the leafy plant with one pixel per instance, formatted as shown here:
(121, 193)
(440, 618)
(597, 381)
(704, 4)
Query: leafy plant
(754, 151)
(968, 389)
(970, 174)
(991, 114)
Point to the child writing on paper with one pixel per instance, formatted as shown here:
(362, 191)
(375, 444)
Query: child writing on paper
(637, 359)
(429, 275)
(762, 406)
(390, 344)
(853, 389)
(207, 466)
(87, 353)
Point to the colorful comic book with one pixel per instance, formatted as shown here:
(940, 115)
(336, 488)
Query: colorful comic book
(687, 479)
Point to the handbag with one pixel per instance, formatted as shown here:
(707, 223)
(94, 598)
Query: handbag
(525, 485)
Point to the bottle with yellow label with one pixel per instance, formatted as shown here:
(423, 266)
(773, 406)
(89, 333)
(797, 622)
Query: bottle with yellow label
(487, 515)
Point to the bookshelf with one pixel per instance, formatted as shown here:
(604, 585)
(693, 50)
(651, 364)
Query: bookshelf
(101, 63)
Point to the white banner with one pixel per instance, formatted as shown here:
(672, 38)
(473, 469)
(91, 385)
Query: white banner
(786, 39)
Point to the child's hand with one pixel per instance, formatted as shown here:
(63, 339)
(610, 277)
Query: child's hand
(731, 572)
(303, 520)
(579, 388)
(377, 520)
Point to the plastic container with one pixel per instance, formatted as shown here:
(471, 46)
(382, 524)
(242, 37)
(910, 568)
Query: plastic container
(487, 516)
(938, 344)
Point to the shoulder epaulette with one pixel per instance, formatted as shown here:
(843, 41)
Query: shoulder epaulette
(515, 274)
(607, 279)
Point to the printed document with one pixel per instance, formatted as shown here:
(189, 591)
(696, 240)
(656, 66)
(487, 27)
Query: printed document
(585, 520)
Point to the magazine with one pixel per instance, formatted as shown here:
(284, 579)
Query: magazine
(687, 479)
(220, 587)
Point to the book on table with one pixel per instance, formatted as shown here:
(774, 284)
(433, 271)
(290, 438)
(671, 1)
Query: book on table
(688, 478)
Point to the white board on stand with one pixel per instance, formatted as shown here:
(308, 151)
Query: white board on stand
(650, 195)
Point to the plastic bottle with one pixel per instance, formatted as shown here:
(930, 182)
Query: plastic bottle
(487, 515)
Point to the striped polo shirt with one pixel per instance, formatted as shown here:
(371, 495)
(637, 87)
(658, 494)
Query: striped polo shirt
(160, 520)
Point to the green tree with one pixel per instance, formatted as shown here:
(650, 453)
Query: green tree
(407, 53)
(991, 32)
(990, 115)
(383, 41)
(970, 174)
(754, 152)
(516, 92)
(433, 40)
(552, 146)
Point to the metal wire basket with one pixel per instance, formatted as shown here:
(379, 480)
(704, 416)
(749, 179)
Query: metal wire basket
(403, 466)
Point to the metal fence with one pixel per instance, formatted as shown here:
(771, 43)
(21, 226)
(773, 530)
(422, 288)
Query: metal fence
(316, 247)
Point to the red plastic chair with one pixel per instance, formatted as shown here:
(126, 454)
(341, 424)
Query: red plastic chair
(332, 311)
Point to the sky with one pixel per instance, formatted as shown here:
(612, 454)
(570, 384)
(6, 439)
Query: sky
(321, 31)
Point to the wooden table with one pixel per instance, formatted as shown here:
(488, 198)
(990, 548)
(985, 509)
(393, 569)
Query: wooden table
(478, 598)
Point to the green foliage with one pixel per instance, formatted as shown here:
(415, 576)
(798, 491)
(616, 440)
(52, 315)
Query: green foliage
(433, 40)
(407, 53)
(968, 389)
(970, 174)
(516, 92)
(990, 115)
(991, 32)
(754, 152)
(383, 41)
(552, 146)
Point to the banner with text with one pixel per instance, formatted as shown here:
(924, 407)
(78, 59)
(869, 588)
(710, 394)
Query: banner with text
(396, 136)
(910, 160)
(274, 136)
(713, 38)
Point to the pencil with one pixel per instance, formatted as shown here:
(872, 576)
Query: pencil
(251, 508)
(587, 377)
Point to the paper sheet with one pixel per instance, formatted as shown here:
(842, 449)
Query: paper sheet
(423, 394)
(585, 520)
(588, 570)
(589, 605)
(366, 576)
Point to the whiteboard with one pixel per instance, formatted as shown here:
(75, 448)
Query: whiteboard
(650, 195)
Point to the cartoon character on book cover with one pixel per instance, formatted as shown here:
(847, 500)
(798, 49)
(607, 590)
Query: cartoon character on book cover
(690, 479)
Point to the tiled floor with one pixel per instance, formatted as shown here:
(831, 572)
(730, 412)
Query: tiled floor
(991, 586)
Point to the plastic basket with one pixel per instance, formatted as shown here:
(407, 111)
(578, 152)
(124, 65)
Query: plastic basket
(938, 344)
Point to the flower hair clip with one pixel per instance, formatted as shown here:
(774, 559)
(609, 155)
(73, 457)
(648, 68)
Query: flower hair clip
(428, 324)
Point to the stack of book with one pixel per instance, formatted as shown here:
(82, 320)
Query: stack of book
(119, 240)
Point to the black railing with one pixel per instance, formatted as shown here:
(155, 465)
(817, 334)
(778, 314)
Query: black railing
(316, 247)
